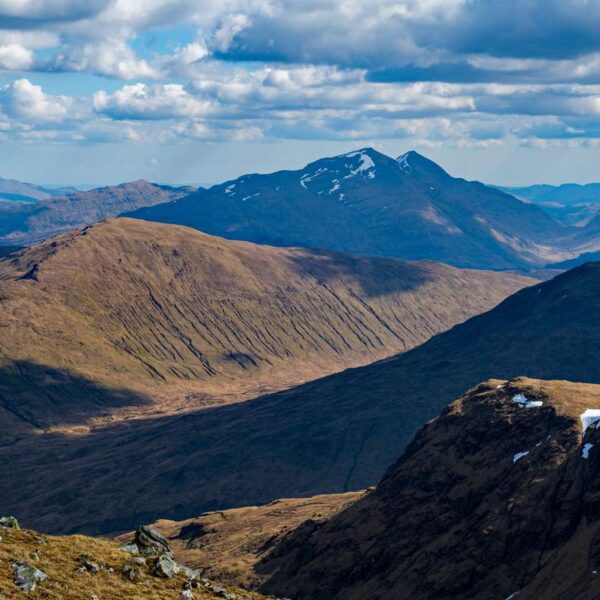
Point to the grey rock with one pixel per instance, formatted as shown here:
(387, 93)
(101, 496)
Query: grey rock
(131, 572)
(88, 565)
(151, 543)
(187, 595)
(131, 548)
(9, 523)
(138, 560)
(189, 573)
(26, 576)
(165, 567)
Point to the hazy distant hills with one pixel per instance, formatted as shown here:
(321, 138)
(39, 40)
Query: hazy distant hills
(569, 203)
(139, 322)
(13, 190)
(23, 223)
(369, 203)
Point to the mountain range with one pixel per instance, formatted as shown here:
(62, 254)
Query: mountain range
(569, 203)
(362, 202)
(368, 203)
(356, 424)
(23, 223)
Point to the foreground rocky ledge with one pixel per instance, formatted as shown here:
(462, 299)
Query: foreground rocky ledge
(33, 565)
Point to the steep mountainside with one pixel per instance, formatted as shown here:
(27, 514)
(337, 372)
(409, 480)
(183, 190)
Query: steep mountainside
(157, 309)
(25, 223)
(497, 498)
(369, 203)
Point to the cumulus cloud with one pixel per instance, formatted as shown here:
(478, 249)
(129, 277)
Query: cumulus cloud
(464, 71)
(14, 57)
(23, 100)
(142, 102)
(26, 13)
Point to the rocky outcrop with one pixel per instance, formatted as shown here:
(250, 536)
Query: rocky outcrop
(498, 495)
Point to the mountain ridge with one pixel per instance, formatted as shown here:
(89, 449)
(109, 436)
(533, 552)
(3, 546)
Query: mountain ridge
(376, 206)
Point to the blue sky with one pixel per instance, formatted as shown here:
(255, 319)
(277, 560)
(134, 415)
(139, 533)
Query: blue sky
(103, 91)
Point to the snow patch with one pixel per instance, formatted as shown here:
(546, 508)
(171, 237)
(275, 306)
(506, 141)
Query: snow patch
(403, 163)
(519, 455)
(336, 186)
(366, 165)
(310, 176)
(523, 401)
(585, 452)
(589, 417)
(250, 196)
(229, 189)
(513, 595)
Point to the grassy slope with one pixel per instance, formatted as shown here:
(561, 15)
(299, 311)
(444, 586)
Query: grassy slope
(137, 317)
(59, 559)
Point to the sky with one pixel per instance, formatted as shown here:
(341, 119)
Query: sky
(200, 91)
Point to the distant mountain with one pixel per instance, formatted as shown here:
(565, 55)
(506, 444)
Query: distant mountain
(497, 498)
(368, 203)
(25, 223)
(130, 325)
(569, 203)
(13, 190)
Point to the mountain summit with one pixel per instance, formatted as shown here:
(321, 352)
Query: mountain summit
(368, 203)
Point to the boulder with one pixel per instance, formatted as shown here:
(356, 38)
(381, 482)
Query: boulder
(26, 576)
(9, 523)
(151, 543)
(165, 566)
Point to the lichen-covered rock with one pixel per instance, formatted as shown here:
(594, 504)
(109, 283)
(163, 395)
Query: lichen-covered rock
(9, 523)
(131, 572)
(165, 567)
(26, 576)
(131, 548)
(151, 543)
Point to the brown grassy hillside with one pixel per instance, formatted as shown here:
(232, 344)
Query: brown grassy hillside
(229, 545)
(61, 559)
(138, 318)
(492, 498)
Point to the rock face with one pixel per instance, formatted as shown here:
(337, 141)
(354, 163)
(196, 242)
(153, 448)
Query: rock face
(368, 203)
(494, 497)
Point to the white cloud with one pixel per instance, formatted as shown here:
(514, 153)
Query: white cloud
(144, 102)
(23, 100)
(15, 58)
